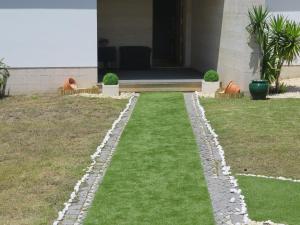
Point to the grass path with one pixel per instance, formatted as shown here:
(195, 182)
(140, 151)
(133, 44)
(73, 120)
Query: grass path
(155, 177)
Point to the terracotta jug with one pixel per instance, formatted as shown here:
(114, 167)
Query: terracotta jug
(232, 88)
(70, 84)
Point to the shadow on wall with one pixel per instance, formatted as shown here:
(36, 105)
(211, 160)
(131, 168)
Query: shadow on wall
(206, 33)
(254, 63)
(217, 30)
(48, 4)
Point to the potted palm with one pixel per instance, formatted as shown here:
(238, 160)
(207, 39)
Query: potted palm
(211, 82)
(278, 39)
(4, 74)
(110, 85)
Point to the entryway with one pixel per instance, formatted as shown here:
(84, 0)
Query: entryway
(159, 39)
(167, 33)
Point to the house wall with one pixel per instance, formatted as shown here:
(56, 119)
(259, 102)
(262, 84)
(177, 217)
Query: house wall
(43, 80)
(206, 29)
(238, 55)
(291, 10)
(41, 35)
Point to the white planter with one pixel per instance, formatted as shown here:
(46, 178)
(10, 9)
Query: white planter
(110, 90)
(210, 88)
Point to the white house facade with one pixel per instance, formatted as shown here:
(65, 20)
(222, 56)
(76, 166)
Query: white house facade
(44, 42)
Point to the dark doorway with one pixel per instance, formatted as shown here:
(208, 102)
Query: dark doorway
(167, 33)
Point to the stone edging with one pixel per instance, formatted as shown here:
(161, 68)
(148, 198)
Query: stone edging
(227, 201)
(269, 177)
(84, 190)
(226, 170)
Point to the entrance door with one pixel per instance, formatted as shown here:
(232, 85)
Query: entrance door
(167, 33)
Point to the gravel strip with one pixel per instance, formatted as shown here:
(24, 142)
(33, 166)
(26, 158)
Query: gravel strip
(227, 202)
(81, 200)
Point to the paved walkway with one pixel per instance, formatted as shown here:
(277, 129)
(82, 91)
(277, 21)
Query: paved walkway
(226, 199)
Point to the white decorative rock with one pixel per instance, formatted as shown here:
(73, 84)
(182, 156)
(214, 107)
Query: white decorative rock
(111, 90)
(210, 88)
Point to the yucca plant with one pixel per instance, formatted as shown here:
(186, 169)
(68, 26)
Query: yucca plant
(285, 44)
(278, 39)
(4, 74)
(259, 29)
(259, 26)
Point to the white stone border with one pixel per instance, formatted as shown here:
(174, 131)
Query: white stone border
(225, 169)
(269, 177)
(73, 195)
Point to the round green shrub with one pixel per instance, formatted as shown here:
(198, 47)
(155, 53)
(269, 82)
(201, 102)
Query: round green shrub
(110, 79)
(211, 76)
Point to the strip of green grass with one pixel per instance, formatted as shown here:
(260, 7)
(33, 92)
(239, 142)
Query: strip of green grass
(274, 200)
(155, 177)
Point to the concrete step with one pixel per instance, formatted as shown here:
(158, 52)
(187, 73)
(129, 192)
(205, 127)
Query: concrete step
(184, 85)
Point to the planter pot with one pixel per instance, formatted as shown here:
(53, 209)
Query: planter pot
(210, 88)
(110, 90)
(259, 89)
(232, 88)
(70, 84)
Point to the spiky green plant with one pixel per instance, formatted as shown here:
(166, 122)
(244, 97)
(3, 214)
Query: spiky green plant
(4, 74)
(278, 39)
(259, 29)
(285, 44)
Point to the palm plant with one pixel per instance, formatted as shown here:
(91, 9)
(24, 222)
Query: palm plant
(279, 41)
(285, 43)
(4, 74)
(259, 29)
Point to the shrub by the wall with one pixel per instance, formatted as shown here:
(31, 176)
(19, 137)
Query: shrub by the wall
(110, 79)
(211, 76)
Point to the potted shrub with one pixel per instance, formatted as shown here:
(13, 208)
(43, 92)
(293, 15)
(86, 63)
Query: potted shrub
(110, 85)
(211, 82)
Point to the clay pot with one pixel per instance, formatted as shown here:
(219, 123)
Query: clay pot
(259, 89)
(232, 88)
(70, 84)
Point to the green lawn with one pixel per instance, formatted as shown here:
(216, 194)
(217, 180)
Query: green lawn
(155, 177)
(262, 137)
(272, 199)
(45, 145)
(259, 137)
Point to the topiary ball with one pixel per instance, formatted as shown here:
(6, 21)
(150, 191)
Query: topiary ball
(110, 79)
(211, 76)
